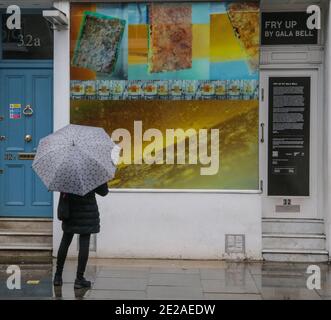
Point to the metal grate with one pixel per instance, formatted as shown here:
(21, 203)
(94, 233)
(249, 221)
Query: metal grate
(235, 243)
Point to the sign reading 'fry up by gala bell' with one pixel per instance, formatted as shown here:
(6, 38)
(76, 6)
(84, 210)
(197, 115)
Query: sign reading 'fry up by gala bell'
(282, 28)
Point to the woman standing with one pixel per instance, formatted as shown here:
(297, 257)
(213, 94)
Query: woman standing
(79, 215)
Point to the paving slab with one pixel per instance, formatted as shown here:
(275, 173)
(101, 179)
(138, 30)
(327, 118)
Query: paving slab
(174, 279)
(284, 293)
(166, 292)
(124, 273)
(232, 296)
(175, 270)
(120, 284)
(117, 295)
(229, 286)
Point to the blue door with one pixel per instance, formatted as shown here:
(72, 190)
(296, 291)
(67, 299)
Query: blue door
(26, 115)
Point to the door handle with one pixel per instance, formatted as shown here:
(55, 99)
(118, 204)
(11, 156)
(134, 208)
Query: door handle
(28, 138)
(28, 111)
(262, 133)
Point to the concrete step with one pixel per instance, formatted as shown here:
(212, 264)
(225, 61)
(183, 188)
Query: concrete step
(25, 238)
(293, 241)
(25, 247)
(293, 226)
(291, 255)
(22, 254)
(292, 268)
(24, 224)
(31, 269)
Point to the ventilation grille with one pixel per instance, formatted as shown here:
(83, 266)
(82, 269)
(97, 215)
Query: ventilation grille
(235, 243)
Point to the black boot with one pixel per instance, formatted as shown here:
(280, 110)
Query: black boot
(57, 282)
(82, 283)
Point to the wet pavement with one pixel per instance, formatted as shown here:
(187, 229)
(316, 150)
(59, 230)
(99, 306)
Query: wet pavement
(132, 279)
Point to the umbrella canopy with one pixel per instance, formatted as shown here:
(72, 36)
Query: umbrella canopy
(76, 159)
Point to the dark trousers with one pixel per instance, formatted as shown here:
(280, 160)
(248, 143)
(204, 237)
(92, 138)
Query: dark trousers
(84, 246)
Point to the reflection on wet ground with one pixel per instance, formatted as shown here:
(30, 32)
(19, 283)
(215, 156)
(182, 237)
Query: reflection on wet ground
(170, 279)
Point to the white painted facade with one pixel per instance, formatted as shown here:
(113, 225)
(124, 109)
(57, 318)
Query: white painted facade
(193, 225)
(177, 225)
(327, 133)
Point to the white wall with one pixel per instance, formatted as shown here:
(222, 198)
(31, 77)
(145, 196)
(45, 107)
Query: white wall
(327, 133)
(177, 225)
(159, 225)
(61, 96)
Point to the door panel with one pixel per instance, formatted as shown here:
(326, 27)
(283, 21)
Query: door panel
(14, 196)
(14, 93)
(300, 206)
(22, 193)
(42, 107)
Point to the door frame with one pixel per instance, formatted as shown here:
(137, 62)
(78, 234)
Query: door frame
(315, 200)
(29, 64)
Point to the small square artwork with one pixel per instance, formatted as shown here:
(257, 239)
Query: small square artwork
(170, 37)
(99, 41)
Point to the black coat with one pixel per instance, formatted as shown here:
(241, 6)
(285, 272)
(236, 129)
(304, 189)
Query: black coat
(83, 213)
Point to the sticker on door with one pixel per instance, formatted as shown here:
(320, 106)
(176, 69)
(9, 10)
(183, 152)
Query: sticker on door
(15, 111)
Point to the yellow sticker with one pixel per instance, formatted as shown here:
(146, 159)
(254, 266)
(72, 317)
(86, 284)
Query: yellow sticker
(15, 105)
(33, 282)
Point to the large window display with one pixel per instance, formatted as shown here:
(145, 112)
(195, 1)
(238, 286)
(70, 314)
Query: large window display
(176, 85)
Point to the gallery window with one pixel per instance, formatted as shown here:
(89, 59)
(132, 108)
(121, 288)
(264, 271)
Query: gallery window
(177, 84)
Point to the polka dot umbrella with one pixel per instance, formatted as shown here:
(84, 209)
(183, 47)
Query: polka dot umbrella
(76, 159)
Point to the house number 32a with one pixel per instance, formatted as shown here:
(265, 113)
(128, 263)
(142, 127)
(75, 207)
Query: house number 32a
(28, 41)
